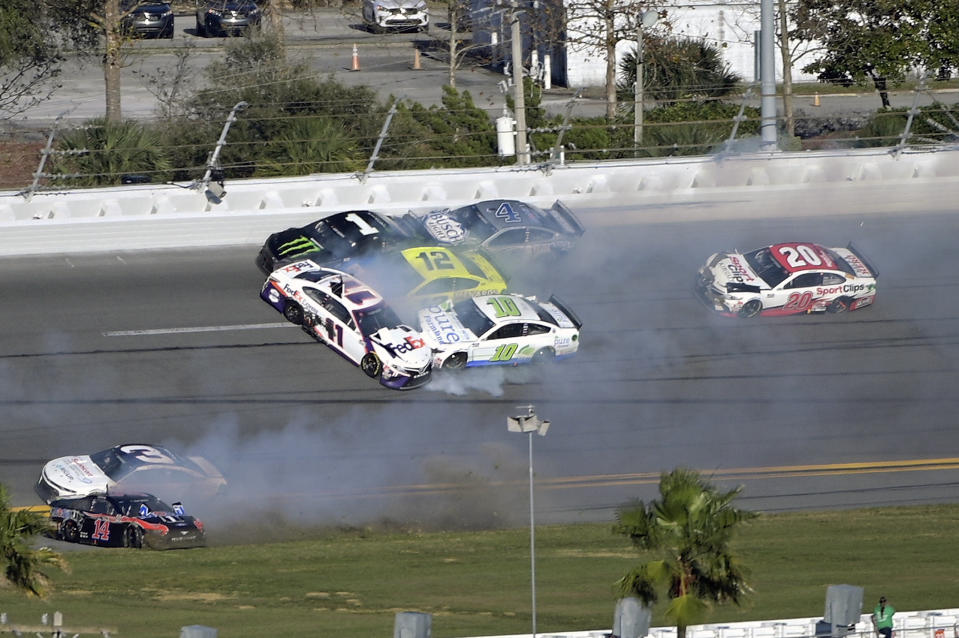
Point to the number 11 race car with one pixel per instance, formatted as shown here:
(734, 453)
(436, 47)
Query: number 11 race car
(785, 279)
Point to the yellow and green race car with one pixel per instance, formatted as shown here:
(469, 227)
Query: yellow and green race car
(430, 274)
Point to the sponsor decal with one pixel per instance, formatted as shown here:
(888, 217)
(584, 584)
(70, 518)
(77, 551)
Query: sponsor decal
(440, 324)
(144, 510)
(299, 266)
(444, 228)
(408, 345)
(845, 288)
(738, 270)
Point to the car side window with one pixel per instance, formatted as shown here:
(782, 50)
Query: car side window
(510, 237)
(101, 506)
(832, 279)
(509, 331)
(540, 236)
(805, 280)
(536, 329)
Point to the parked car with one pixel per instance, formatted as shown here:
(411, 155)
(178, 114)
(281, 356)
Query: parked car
(336, 238)
(396, 15)
(132, 520)
(787, 279)
(226, 17)
(144, 18)
(132, 466)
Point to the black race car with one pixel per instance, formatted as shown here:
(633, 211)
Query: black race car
(506, 227)
(334, 239)
(125, 520)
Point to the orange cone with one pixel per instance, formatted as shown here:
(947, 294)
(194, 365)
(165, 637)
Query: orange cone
(356, 59)
(416, 60)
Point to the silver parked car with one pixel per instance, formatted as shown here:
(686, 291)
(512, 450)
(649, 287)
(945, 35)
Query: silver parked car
(226, 17)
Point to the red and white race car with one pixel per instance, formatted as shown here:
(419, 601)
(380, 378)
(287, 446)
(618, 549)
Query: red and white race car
(785, 279)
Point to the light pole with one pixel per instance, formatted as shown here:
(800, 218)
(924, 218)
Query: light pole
(646, 20)
(519, 95)
(528, 424)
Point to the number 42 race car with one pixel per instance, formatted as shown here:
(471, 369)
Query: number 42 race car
(785, 279)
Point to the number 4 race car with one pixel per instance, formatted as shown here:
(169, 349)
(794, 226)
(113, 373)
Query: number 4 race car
(501, 329)
(785, 279)
(352, 319)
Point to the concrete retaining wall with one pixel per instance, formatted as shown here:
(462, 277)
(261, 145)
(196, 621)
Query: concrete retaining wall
(176, 215)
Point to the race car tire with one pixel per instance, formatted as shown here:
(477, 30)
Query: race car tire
(456, 361)
(751, 308)
(542, 356)
(838, 305)
(293, 313)
(70, 531)
(371, 365)
(133, 537)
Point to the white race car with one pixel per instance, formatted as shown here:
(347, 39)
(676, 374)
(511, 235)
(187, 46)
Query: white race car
(499, 329)
(785, 279)
(352, 319)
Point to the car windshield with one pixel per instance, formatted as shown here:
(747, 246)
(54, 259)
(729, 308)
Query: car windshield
(471, 218)
(376, 318)
(765, 265)
(472, 318)
(111, 463)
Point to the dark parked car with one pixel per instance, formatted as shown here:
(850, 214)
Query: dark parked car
(144, 18)
(226, 17)
(334, 239)
(125, 520)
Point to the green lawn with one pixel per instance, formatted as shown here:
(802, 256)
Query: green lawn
(351, 584)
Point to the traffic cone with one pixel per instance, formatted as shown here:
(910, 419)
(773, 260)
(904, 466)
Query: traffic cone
(416, 59)
(356, 59)
(815, 100)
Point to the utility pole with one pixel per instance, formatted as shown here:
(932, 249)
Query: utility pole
(519, 89)
(767, 72)
(645, 19)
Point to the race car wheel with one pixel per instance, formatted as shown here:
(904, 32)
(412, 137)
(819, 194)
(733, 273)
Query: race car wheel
(371, 365)
(293, 313)
(456, 361)
(838, 305)
(751, 308)
(543, 356)
(70, 531)
(133, 537)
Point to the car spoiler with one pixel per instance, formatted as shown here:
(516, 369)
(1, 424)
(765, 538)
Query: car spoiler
(565, 310)
(567, 218)
(855, 251)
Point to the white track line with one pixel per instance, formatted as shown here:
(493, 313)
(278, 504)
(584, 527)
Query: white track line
(168, 331)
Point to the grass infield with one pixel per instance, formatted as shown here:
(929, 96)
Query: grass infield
(351, 583)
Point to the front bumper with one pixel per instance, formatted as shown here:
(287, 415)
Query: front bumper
(402, 19)
(406, 381)
(710, 298)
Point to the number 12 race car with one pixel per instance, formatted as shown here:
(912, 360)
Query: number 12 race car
(785, 279)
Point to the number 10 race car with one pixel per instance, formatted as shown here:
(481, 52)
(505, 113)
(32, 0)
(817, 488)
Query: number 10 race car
(785, 279)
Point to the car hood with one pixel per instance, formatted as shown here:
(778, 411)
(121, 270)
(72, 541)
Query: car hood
(72, 476)
(442, 328)
(732, 268)
(400, 4)
(445, 228)
(402, 346)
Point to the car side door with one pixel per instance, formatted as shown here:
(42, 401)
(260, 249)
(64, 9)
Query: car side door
(798, 292)
(97, 527)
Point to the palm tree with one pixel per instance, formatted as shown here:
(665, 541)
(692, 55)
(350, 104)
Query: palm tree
(688, 532)
(22, 565)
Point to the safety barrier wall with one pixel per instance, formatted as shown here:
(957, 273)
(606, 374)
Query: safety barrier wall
(939, 623)
(179, 215)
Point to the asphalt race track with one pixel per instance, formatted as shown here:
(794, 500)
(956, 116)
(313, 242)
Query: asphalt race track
(819, 411)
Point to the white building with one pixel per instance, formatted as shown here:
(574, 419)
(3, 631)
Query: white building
(730, 25)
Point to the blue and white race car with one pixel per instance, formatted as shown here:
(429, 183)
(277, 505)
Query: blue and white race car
(499, 329)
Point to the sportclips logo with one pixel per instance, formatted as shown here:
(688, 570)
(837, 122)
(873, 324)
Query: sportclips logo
(738, 271)
(835, 290)
(408, 345)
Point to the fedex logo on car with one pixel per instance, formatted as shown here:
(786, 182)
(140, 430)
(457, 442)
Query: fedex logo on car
(408, 345)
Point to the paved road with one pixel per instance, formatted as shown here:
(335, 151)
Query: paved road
(324, 40)
(806, 412)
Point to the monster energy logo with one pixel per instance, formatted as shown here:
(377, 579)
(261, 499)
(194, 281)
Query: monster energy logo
(298, 245)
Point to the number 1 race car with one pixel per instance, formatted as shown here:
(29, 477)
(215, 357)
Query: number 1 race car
(785, 279)
(500, 329)
(125, 520)
(352, 319)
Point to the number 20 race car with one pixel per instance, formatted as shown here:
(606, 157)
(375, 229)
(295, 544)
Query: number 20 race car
(785, 279)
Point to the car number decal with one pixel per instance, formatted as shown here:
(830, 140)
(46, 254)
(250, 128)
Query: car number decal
(362, 224)
(504, 307)
(504, 352)
(507, 214)
(101, 530)
(436, 260)
(146, 454)
(800, 255)
(798, 300)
